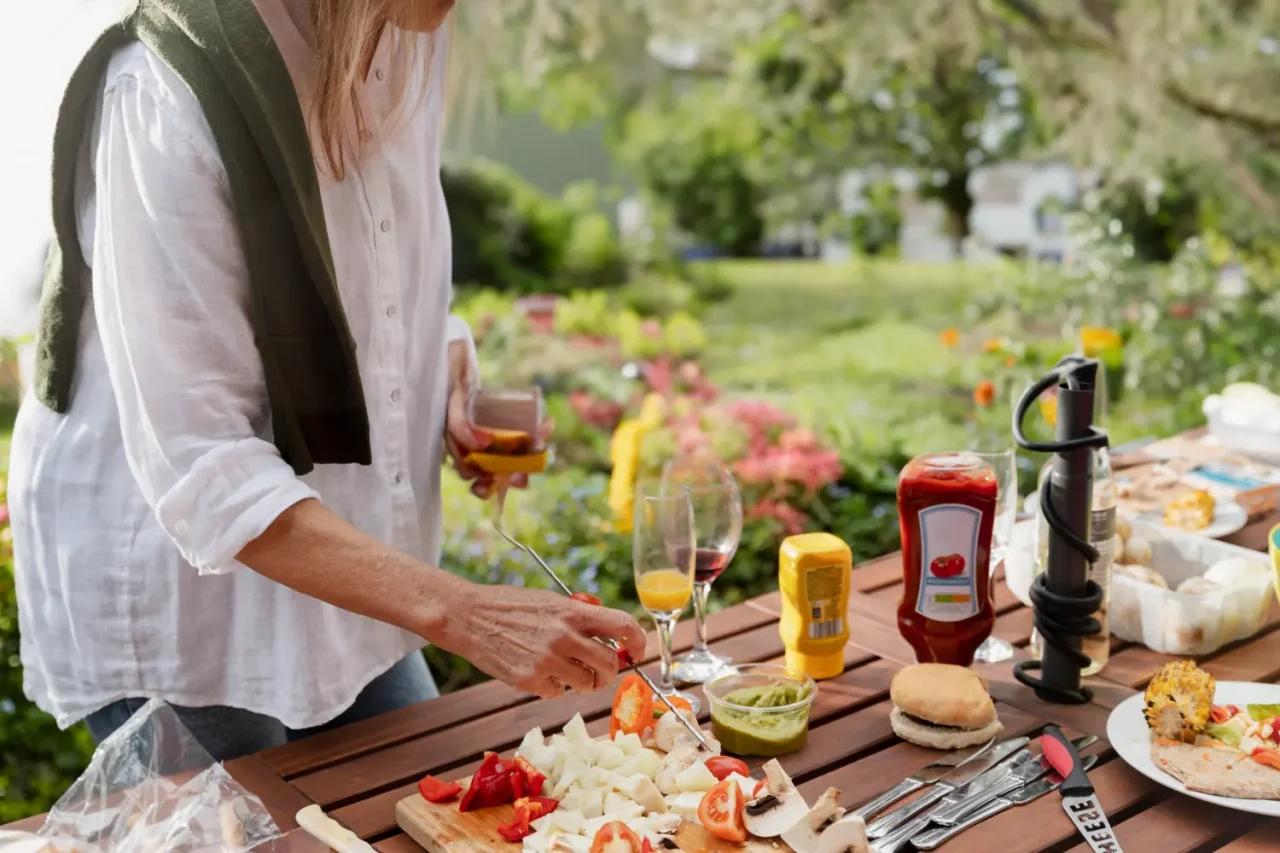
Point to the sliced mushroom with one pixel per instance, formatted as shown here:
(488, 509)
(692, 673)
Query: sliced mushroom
(779, 809)
(669, 729)
(683, 756)
(641, 789)
(848, 835)
(804, 834)
(668, 824)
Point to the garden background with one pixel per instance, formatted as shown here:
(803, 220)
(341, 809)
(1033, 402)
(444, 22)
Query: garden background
(736, 122)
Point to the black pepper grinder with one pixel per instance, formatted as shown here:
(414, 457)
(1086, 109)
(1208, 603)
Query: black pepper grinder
(1063, 597)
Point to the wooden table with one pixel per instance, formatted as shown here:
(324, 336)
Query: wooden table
(358, 773)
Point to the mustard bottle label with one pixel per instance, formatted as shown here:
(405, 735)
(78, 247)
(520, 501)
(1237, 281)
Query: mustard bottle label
(824, 592)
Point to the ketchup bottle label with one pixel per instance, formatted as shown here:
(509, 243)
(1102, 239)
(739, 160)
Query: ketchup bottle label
(949, 580)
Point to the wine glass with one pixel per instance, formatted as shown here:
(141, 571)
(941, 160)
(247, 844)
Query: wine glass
(1005, 465)
(717, 522)
(662, 557)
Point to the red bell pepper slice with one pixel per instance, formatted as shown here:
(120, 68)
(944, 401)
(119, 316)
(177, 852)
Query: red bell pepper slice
(490, 786)
(528, 809)
(435, 791)
(532, 776)
(519, 784)
(518, 829)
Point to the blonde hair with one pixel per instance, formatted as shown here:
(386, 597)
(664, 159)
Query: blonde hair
(346, 34)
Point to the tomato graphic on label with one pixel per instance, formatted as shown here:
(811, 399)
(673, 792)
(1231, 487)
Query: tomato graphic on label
(949, 566)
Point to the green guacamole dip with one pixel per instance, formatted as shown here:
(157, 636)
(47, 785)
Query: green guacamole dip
(762, 731)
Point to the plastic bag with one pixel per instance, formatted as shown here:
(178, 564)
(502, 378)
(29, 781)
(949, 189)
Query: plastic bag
(151, 787)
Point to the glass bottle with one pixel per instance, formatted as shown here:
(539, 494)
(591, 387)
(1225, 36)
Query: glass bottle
(1102, 532)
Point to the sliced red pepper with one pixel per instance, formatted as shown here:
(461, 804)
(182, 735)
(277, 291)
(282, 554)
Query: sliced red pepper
(534, 778)
(519, 784)
(490, 786)
(537, 806)
(1269, 757)
(518, 829)
(645, 846)
(435, 791)
(632, 707)
(679, 701)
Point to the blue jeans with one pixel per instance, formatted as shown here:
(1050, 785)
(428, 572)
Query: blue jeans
(228, 733)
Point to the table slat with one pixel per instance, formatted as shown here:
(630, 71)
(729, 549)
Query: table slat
(1177, 825)
(281, 799)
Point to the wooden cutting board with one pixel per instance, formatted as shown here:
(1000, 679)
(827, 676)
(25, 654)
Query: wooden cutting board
(441, 828)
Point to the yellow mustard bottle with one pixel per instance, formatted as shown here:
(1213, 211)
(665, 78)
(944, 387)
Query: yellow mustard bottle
(814, 578)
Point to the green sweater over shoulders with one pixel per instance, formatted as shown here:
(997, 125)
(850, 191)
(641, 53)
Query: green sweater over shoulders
(223, 52)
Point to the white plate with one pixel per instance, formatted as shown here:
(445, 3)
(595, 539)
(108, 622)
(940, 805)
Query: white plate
(1127, 730)
(1228, 517)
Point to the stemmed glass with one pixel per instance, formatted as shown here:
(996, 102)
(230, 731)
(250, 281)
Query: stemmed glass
(1004, 463)
(662, 557)
(717, 521)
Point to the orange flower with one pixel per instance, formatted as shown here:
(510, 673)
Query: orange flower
(1094, 340)
(992, 345)
(1010, 361)
(985, 394)
(949, 337)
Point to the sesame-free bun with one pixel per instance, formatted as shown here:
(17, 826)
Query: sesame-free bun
(933, 737)
(943, 694)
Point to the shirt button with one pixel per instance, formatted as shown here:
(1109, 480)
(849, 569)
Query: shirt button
(395, 396)
(366, 135)
(379, 73)
(398, 478)
(386, 225)
(392, 310)
(180, 528)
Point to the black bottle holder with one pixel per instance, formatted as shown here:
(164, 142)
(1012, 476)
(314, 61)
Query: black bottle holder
(1063, 597)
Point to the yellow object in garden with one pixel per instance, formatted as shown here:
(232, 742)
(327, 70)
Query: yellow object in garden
(624, 453)
(1095, 340)
(992, 345)
(1049, 409)
(814, 576)
(949, 337)
(665, 590)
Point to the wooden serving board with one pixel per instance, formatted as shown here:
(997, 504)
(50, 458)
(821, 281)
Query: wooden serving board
(441, 828)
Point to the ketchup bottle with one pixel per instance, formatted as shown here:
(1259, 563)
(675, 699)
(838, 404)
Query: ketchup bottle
(946, 510)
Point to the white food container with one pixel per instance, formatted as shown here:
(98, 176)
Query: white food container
(1161, 619)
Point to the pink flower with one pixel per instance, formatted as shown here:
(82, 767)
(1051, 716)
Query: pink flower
(802, 440)
(791, 519)
(4, 513)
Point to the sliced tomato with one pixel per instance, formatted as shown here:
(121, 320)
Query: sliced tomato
(1219, 714)
(645, 846)
(1232, 710)
(762, 787)
(534, 778)
(586, 598)
(1269, 757)
(632, 707)
(720, 811)
(722, 766)
(435, 791)
(616, 837)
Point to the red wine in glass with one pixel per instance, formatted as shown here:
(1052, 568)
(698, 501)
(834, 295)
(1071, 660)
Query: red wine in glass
(708, 563)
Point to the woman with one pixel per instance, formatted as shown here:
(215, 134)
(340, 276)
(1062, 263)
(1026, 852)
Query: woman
(253, 187)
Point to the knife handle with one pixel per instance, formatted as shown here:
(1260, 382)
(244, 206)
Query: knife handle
(903, 813)
(897, 840)
(935, 838)
(907, 786)
(1062, 756)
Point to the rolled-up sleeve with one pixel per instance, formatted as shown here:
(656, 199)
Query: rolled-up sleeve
(171, 298)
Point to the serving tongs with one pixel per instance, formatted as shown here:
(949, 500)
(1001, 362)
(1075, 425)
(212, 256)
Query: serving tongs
(624, 658)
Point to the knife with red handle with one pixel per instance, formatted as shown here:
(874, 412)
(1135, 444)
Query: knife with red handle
(1078, 797)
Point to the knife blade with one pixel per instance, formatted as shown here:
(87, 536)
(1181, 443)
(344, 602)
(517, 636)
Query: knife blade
(1024, 769)
(934, 838)
(952, 781)
(1078, 797)
(922, 777)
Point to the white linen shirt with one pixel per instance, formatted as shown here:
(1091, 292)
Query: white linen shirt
(129, 510)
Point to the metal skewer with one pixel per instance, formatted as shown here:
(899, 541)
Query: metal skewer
(623, 656)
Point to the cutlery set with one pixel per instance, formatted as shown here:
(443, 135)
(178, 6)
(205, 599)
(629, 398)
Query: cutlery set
(968, 786)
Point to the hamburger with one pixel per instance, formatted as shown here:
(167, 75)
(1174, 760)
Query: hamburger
(941, 706)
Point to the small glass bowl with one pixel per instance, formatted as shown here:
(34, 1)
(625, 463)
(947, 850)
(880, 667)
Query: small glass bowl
(762, 730)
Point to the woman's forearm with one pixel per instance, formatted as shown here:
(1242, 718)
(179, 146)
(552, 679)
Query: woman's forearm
(310, 549)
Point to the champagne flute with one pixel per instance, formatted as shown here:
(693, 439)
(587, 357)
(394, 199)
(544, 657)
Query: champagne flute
(662, 558)
(1004, 463)
(717, 521)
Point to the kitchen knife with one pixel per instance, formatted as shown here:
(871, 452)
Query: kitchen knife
(934, 838)
(1078, 798)
(952, 781)
(922, 777)
(1024, 769)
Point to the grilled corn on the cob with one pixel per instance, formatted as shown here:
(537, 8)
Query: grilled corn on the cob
(1191, 511)
(1178, 701)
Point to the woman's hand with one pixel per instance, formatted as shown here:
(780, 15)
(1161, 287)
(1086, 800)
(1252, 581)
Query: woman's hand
(536, 640)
